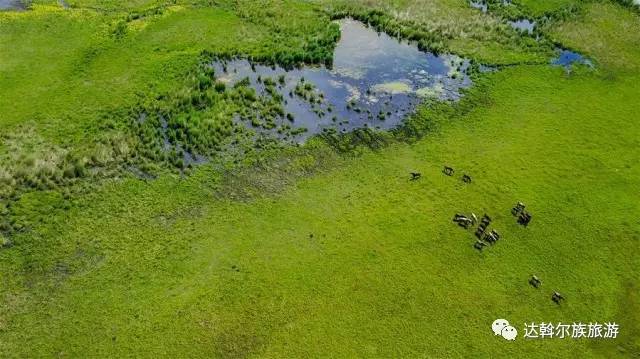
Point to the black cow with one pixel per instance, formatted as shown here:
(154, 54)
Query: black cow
(517, 209)
(524, 218)
(535, 281)
(492, 237)
(479, 245)
(448, 171)
(557, 297)
(462, 220)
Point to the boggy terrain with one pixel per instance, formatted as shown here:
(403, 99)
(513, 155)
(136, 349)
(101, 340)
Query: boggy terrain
(154, 203)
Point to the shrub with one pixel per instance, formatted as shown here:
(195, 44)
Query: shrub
(220, 87)
(204, 82)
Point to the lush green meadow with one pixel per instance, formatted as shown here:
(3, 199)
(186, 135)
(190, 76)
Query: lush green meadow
(313, 252)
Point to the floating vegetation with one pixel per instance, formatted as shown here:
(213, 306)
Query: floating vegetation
(393, 88)
(431, 92)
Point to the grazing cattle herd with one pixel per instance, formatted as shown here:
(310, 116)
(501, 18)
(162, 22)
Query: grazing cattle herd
(486, 237)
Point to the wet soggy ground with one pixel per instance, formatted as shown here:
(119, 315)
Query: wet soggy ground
(375, 82)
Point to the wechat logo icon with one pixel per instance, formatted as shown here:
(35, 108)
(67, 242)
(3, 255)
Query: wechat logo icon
(502, 327)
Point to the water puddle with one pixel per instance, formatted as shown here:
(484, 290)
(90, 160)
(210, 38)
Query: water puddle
(486, 68)
(11, 5)
(375, 82)
(523, 25)
(567, 58)
(479, 4)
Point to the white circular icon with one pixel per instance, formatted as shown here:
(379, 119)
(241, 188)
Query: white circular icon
(498, 325)
(509, 333)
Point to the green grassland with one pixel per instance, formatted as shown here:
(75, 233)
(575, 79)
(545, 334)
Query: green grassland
(617, 54)
(537, 8)
(313, 252)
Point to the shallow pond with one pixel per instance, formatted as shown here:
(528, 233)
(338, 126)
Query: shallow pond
(567, 58)
(524, 25)
(375, 82)
(479, 4)
(11, 5)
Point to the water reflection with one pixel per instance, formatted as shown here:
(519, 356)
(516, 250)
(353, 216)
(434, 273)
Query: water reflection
(479, 4)
(567, 58)
(524, 25)
(375, 82)
(11, 5)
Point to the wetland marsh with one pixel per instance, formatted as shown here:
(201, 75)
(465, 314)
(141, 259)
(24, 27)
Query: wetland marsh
(173, 184)
(375, 81)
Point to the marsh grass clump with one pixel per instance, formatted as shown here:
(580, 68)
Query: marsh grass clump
(268, 82)
(220, 87)
(308, 92)
(199, 119)
(632, 5)
(47, 167)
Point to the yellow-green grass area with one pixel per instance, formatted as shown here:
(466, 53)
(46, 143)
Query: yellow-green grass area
(105, 5)
(601, 32)
(64, 68)
(540, 7)
(357, 260)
